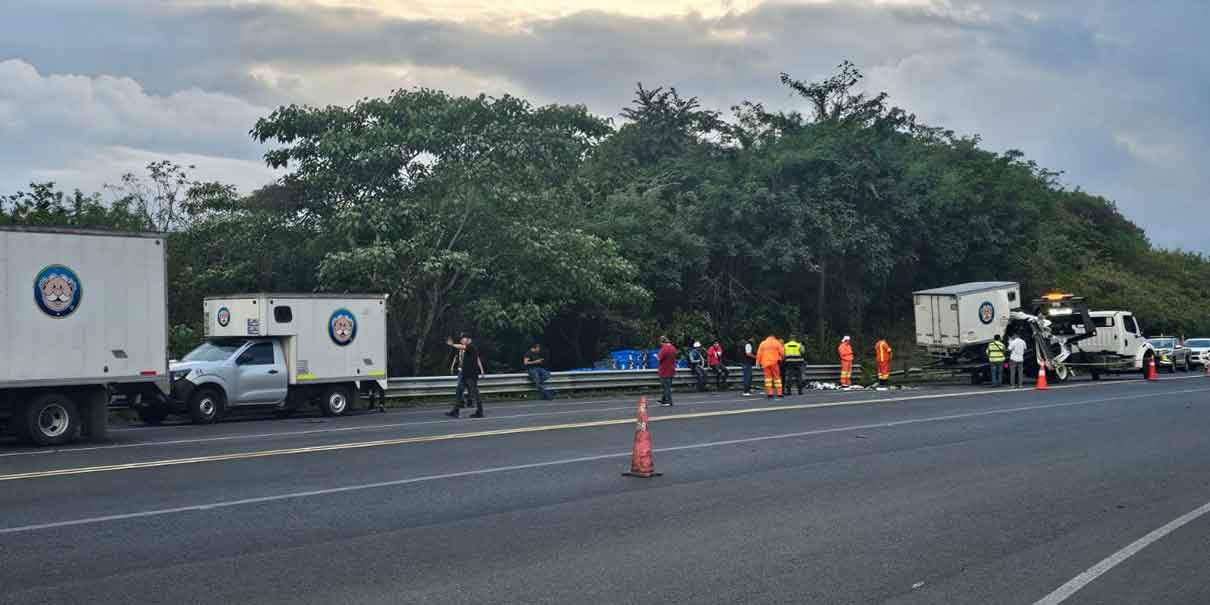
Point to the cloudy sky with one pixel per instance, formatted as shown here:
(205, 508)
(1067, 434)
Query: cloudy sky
(1112, 93)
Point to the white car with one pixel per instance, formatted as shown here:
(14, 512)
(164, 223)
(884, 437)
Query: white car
(1199, 351)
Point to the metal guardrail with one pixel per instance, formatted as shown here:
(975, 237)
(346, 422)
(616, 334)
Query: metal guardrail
(504, 384)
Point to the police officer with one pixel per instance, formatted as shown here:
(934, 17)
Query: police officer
(794, 363)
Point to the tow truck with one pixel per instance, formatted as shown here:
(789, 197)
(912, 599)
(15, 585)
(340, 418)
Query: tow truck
(1063, 335)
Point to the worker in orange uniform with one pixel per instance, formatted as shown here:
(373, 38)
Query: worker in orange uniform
(769, 357)
(846, 362)
(883, 351)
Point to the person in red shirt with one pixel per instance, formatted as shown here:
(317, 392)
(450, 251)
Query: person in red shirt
(714, 359)
(667, 359)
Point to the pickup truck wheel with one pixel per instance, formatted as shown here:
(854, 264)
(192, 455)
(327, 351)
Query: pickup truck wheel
(51, 419)
(153, 416)
(335, 401)
(204, 406)
(1185, 368)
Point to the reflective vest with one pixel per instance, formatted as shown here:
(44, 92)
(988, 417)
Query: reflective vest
(793, 350)
(995, 351)
(883, 351)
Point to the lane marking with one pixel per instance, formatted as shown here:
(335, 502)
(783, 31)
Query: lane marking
(1065, 591)
(378, 427)
(551, 463)
(493, 433)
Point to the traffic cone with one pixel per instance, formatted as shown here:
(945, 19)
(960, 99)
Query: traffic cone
(641, 462)
(1042, 386)
(1151, 369)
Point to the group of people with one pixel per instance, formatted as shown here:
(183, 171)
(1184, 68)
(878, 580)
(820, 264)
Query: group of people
(781, 361)
(1013, 354)
(467, 364)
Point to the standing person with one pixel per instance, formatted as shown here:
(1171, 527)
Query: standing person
(697, 363)
(883, 352)
(769, 356)
(794, 361)
(845, 350)
(470, 368)
(535, 365)
(1016, 360)
(995, 360)
(667, 371)
(714, 358)
(749, 358)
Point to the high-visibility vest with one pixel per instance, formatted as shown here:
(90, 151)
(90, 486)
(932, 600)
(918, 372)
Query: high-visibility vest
(995, 351)
(793, 349)
(883, 351)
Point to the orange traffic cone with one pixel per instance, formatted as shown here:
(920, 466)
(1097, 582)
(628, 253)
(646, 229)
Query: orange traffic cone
(641, 463)
(1151, 369)
(1042, 386)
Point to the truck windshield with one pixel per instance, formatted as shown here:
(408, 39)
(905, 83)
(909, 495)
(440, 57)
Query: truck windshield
(1162, 343)
(214, 350)
(1200, 343)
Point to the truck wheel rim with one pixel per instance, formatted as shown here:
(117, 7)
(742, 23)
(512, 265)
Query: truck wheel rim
(206, 406)
(53, 420)
(336, 403)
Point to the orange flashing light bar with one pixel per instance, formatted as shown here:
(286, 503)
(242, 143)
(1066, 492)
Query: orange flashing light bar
(1057, 296)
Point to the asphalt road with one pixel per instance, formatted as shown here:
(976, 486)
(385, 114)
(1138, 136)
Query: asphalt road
(1088, 493)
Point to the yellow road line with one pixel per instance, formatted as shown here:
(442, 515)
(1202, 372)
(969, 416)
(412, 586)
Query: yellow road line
(497, 432)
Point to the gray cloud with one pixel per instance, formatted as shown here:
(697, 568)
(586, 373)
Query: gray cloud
(1108, 92)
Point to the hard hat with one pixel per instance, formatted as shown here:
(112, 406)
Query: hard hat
(845, 339)
(697, 344)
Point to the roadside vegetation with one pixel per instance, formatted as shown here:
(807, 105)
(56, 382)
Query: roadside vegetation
(516, 222)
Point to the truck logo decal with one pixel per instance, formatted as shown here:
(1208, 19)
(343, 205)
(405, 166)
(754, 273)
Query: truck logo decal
(987, 312)
(57, 291)
(342, 327)
(223, 316)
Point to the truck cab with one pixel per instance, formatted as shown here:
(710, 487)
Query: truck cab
(247, 372)
(1117, 344)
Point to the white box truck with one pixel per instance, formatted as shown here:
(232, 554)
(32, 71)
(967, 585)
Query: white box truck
(84, 317)
(280, 352)
(959, 321)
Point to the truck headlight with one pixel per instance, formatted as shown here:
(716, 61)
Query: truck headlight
(176, 375)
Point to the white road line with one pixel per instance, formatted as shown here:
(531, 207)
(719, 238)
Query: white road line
(1065, 591)
(566, 461)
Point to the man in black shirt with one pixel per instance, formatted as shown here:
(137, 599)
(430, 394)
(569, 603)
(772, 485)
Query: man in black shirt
(535, 366)
(470, 368)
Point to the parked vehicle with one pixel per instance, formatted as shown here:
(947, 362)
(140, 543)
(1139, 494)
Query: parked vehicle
(1199, 351)
(280, 352)
(1171, 354)
(84, 318)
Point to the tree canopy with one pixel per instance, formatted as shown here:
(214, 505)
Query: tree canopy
(515, 222)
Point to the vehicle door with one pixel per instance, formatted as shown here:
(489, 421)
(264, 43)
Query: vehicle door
(260, 374)
(1132, 337)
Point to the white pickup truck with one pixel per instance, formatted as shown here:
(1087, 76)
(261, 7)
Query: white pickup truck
(280, 352)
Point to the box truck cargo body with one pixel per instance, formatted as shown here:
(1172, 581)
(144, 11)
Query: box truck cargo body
(963, 316)
(84, 316)
(281, 351)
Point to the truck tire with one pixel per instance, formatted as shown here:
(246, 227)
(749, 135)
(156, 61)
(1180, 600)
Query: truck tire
(1146, 364)
(335, 401)
(1186, 368)
(153, 416)
(205, 405)
(51, 419)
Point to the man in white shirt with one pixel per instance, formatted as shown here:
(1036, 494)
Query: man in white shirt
(1016, 359)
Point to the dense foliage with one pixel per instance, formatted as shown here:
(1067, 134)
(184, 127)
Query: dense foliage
(516, 222)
